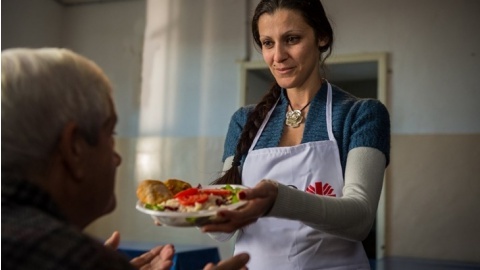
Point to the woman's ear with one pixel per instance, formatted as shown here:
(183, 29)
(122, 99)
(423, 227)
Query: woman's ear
(322, 42)
(71, 148)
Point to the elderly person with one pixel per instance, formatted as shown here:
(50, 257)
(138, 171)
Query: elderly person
(59, 164)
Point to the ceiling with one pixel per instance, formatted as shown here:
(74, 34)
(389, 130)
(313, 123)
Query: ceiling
(85, 2)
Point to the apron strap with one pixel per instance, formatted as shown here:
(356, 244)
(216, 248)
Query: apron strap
(328, 112)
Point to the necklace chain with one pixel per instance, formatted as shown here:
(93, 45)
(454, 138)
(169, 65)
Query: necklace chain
(291, 108)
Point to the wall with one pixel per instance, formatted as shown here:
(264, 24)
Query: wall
(432, 181)
(112, 35)
(31, 23)
(433, 197)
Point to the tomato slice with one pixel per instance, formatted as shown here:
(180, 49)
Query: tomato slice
(192, 199)
(186, 192)
(218, 192)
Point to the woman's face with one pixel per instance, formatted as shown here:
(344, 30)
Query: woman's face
(290, 49)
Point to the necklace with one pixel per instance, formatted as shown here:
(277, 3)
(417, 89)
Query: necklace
(294, 117)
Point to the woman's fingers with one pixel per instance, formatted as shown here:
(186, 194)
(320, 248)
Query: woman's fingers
(233, 220)
(264, 190)
(156, 221)
(236, 262)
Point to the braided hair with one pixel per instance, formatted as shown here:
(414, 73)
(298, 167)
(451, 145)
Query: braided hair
(314, 15)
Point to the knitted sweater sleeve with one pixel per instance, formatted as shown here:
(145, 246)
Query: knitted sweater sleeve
(367, 124)
(350, 216)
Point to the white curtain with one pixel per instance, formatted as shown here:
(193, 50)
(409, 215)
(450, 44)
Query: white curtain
(190, 66)
(190, 86)
(190, 77)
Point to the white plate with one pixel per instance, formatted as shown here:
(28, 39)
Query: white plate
(190, 219)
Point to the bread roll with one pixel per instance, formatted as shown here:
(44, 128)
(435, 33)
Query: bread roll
(176, 185)
(153, 192)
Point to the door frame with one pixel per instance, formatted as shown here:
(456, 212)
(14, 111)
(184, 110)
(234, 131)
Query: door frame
(381, 59)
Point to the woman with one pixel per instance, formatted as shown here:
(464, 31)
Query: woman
(320, 151)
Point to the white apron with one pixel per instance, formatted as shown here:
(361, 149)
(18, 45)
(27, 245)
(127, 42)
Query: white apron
(276, 244)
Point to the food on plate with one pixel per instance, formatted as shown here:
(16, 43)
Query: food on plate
(153, 192)
(194, 206)
(176, 185)
(197, 199)
(156, 191)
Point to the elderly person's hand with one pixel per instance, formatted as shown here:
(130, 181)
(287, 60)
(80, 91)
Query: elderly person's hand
(158, 258)
(260, 200)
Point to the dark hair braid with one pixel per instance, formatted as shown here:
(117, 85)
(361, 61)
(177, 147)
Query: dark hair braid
(254, 121)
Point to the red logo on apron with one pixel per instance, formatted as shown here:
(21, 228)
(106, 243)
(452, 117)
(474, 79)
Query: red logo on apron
(321, 189)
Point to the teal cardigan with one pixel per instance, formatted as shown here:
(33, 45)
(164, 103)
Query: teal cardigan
(356, 123)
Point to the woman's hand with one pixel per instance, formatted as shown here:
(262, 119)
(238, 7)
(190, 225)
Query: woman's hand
(260, 200)
(156, 222)
(158, 258)
(236, 262)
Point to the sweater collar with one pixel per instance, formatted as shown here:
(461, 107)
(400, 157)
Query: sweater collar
(19, 191)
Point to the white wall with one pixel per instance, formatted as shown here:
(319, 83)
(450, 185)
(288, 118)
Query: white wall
(434, 63)
(434, 51)
(31, 23)
(112, 35)
(191, 67)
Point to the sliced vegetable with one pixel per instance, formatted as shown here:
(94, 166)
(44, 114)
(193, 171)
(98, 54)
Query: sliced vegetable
(187, 192)
(198, 197)
(234, 197)
(192, 199)
(156, 207)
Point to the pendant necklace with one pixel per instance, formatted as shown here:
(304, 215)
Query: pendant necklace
(294, 117)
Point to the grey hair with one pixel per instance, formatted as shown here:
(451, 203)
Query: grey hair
(42, 90)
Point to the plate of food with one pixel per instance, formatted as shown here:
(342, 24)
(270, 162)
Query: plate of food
(176, 203)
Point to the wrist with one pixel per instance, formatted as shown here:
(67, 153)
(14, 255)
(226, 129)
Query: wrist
(273, 194)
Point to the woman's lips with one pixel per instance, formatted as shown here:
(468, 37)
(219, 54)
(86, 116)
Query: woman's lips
(283, 71)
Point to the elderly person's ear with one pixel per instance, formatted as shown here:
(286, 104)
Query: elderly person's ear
(71, 146)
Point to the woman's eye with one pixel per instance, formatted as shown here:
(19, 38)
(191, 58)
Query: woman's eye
(293, 39)
(267, 44)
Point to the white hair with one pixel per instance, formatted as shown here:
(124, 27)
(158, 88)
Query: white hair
(42, 90)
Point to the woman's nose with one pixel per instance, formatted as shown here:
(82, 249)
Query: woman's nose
(280, 53)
